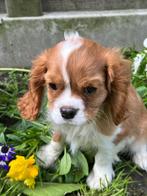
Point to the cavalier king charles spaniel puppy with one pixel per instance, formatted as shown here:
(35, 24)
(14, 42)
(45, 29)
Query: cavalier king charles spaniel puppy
(91, 105)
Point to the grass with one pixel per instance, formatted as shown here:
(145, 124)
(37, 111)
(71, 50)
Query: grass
(27, 137)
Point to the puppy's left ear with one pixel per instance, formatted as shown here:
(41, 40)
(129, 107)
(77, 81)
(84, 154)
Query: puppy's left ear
(118, 71)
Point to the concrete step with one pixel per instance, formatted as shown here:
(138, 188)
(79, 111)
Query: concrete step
(21, 39)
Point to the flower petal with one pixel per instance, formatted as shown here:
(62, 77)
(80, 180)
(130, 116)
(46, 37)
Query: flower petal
(22, 169)
(30, 182)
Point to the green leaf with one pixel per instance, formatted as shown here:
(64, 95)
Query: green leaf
(2, 138)
(65, 164)
(2, 128)
(52, 189)
(20, 147)
(80, 165)
(79, 160)
(142, 90)
(13, 137)
(83, 162)
(45, 139)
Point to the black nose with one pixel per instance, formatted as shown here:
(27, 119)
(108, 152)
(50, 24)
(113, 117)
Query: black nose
(68, 112)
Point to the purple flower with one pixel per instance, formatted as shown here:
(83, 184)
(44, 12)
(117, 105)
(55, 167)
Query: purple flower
(6, 155)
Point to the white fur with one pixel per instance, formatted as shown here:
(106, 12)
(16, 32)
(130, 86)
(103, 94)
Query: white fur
(71, 35)
(140, 155)
(117, 131)
(66, 99)
(102, 172)
(68, 47)
(88, 137)
(71, 43)
(49, 153)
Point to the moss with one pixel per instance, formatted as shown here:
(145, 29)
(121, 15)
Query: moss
(2, 28)
(16, 8)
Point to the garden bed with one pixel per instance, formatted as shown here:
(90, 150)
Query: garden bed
(69, 172)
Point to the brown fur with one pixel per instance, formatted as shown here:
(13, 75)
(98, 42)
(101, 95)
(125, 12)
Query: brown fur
(106, 70)
(115, 101)
(86, 68)
(119, 74)
(29, 104)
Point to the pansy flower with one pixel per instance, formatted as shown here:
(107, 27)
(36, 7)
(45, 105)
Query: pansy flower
(6, 155)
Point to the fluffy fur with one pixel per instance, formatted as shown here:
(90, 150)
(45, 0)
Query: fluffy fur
(95, 81)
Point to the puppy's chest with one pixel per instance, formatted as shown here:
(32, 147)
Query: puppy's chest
(86, 137)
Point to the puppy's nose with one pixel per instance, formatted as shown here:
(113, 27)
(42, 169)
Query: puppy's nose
(68, 112)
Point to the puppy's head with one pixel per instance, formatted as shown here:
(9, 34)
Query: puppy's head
(81, 78)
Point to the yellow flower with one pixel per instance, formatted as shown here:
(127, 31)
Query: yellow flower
(22, 169)
(30, 182)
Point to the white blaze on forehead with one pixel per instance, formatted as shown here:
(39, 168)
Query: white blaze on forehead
(66, 99)
(72, 42)
(71, 35)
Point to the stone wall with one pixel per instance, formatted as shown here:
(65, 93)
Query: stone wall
(68, 5)
(2, 6)
(73, 5)
(21, 39)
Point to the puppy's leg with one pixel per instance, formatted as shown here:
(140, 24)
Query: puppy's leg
(102, 172)
(140, 154)
(49, 153)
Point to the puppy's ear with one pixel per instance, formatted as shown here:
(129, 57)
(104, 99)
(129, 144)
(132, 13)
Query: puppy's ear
(118, 80)
(29, 104)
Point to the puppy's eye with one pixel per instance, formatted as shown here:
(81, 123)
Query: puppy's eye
(53, 86)
(89, 90)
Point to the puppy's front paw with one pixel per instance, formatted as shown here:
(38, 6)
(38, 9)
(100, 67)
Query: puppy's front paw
(141, 160)
(100, 178)
(45, 159)
(48, 154)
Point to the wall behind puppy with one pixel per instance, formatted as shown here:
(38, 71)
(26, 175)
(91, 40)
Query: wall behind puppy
(71, 5)
(22, 38)
(2, 6)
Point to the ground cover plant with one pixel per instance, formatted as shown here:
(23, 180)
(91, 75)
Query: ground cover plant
(20, 173)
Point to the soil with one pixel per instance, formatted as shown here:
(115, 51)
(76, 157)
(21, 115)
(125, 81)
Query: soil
(139, 187)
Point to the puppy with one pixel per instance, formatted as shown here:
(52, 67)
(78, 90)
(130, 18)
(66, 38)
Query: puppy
(91, 104)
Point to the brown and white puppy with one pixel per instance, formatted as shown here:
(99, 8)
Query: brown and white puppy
(92, 105)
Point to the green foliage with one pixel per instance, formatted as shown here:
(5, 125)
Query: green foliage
(27, 137)
(79, 168)
(10, 89)
(139, 78)
(65, 164)
(119, 185)
(52, 189)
